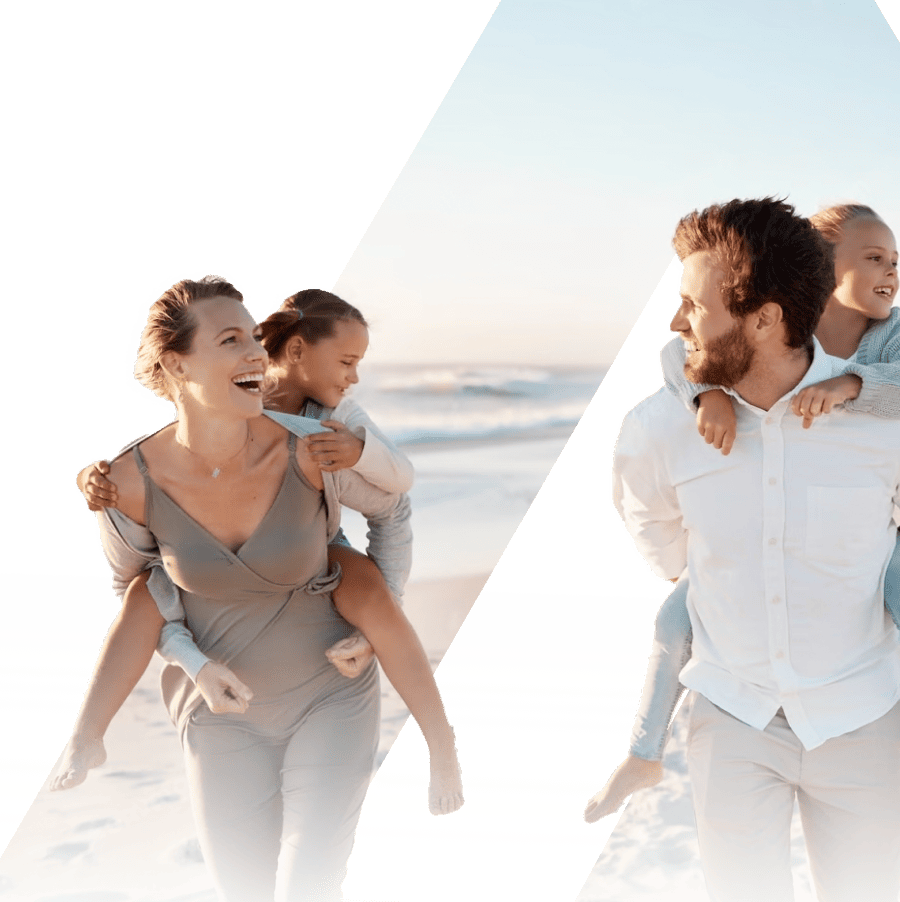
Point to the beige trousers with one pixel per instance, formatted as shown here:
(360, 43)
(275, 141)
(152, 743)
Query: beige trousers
(744, 783)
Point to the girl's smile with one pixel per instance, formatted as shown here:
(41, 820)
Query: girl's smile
(865, 266)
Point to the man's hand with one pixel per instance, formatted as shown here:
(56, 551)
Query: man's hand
(222, 690)
(716, 420)
(351, 656)
(814, 400)
(335, 450)
(98, 491)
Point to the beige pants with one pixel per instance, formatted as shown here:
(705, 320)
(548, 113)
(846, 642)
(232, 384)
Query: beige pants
(848, 789)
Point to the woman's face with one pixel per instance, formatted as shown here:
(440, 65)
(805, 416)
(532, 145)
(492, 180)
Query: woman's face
(865, 267)
(226, 364)
(326, 369)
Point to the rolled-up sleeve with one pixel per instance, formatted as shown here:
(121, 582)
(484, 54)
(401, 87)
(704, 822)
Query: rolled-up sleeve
(381, 462)
(388, 515)
(646, 500)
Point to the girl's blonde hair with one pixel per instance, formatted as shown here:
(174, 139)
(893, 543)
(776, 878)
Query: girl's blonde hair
(830, 222)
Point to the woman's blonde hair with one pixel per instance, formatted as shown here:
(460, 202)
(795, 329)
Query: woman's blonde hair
(171, 327)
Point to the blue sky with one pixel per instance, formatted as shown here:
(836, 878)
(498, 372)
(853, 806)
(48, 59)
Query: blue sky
(533, 220)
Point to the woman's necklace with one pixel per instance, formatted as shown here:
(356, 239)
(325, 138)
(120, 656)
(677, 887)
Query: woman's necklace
(216, 470)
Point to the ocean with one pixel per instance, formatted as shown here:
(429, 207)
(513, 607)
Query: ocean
(423, 405)
(482, 440)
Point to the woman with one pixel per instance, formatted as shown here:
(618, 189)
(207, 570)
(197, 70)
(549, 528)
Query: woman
(235, 506)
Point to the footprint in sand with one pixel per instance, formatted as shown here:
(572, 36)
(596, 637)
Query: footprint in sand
(100, 895)
(187, 852)
(96, 825)
(66, 851)
(140, 778)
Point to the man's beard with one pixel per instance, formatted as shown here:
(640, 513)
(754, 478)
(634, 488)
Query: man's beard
(724, 361)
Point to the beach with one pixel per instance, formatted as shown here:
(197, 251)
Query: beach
(542, 691)
(127, 833)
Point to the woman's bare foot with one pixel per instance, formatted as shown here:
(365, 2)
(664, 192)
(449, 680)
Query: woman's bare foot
(445, 792)
(630, 776)
(78, 758)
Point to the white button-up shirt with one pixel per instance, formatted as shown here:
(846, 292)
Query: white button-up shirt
(786, 541)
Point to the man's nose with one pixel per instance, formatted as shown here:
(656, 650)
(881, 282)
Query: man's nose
(679, 322)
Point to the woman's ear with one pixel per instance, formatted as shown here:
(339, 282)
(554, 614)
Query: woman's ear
(173, 366)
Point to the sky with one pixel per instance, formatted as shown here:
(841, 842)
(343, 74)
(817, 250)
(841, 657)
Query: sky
(534, 218)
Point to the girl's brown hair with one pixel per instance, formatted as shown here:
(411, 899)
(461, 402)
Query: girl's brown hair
(311, 314)
(171, 327)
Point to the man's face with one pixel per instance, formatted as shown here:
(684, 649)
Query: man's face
(718, 351)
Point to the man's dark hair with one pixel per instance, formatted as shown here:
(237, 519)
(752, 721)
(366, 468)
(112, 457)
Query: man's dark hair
(767, 253)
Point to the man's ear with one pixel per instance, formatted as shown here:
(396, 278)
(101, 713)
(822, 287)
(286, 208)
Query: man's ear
(769, 317)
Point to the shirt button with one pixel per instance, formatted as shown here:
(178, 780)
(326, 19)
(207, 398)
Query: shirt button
(769, 421)
(776, 599)
(773, 541)
(772, 480)
(779, 655)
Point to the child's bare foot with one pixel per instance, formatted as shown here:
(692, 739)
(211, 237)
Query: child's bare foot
(78, 758)
(445, 792)
(630, 776)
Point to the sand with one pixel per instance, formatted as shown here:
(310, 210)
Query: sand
(127, 833)
(653, 853)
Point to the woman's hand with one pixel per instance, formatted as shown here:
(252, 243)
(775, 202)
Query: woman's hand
(351, 656)
(222, 691)
(98, 491)
(334, 450)
(814, 400)
(716, 421)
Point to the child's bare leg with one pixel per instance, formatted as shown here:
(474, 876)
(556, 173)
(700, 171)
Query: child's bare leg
(127, 650)
(643, 766)
(367, 603)
(630, 776)
(350, 656)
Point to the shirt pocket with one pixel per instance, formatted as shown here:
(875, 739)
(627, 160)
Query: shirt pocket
(845, 522)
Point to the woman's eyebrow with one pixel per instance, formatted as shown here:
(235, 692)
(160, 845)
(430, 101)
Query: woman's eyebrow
(229, 329)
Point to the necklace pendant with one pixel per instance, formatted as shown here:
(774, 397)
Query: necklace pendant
(215, 473)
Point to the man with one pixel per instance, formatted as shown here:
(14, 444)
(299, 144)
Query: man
(795, 665)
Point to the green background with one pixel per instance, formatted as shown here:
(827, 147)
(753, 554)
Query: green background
(144, 141)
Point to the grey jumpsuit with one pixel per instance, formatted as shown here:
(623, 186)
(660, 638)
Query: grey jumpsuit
(276, 791)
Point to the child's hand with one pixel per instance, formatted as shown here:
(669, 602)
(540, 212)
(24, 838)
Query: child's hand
(820, 398)
(351, 655)
(335, 450)
(222, 690)
(98, 491)
(716, 421)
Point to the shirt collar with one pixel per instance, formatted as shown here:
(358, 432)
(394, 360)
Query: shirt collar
(821, 368)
